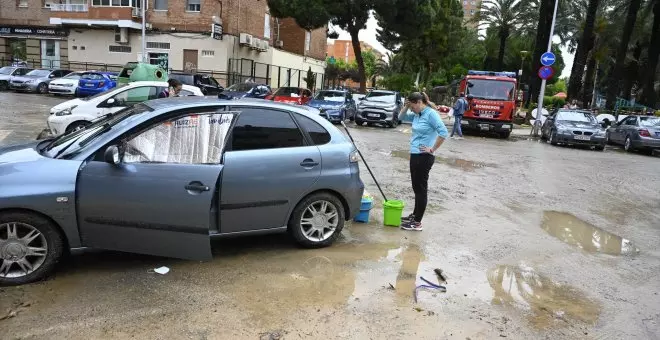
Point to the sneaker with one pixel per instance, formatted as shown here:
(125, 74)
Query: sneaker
(460, 138)
(407, 219)
(416, 226)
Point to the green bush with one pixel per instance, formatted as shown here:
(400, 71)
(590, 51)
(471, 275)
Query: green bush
(553, 101)
(398, 82)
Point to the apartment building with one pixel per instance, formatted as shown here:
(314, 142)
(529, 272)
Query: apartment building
(343, 50)
(180, 34)
(470, 8)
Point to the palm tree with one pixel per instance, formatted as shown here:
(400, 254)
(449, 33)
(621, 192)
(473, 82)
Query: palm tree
(603, 33)
(583, 49)
(649, 96)
(505, 16)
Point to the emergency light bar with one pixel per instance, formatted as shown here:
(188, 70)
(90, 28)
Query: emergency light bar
(491, 73)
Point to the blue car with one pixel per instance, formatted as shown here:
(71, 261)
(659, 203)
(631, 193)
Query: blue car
(128, 183)
(246, 90)
(93, 82)
(335, 105)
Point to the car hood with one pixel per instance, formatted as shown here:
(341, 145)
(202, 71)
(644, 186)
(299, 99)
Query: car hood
(67, 104)
(325, 104)
(5, 76)
(24, 78)
(375, 103)
(19, 153)
(579, 125)
(64, 82)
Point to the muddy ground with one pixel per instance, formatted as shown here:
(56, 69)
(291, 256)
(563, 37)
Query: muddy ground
(536, 241)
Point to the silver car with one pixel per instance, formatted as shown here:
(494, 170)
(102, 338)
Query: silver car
(573, 127)
(8, 72)
(165, 176)
(36, 80)
(636, 132)
(381, 107)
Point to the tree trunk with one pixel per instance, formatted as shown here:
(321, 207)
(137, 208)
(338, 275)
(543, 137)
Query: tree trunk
(357, 49)
(504, 34)
(585, 46)
(588, 88)
(649, 97)
(540, 47)
(615, 77)
(632, 72)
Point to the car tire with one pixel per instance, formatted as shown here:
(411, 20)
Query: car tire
(608, 141)
(304, 229)
(359, 122)
(4, 86)
(600, 148)
(352, 119)
(76, 125)
(47, 238)
(505, 135)
(553, 137)
(628, 145)
(42, 88)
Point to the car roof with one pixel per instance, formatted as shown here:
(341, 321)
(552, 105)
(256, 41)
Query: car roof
(189, 101)
(383, 91)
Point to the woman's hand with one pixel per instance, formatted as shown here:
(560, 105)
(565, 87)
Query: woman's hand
(426, 149)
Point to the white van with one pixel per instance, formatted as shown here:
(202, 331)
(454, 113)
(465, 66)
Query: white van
(77, 113)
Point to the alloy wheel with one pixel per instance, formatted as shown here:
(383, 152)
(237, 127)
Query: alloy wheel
(319, 221)
(23, 249)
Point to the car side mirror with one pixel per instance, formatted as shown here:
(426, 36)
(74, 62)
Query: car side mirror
(110, 102)
(111, 155)
(51, 76)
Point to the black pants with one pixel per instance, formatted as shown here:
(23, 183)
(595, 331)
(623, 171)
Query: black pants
(420, 166)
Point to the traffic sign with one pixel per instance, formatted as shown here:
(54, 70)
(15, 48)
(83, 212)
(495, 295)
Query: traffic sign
(546, 72)
(547, 59)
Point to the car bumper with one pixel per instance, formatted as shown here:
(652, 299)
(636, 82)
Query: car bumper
(55, 127)
(372, 117)
(24, 87)
(646, 143)
(334, 116)
(485, 125)
(61, 89)
(89, 92)
(574, 139)
(354, 198)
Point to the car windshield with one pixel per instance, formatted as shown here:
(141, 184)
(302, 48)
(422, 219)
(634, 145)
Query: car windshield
(491, 89)
(288, 92)
(384, 97)
(67, 145)
(333, 96)
(575, 116)
(213, 82)
(92, 76)
(241, 87)
(6, 70)
(38, 73)
(74, 76)
(649, 121)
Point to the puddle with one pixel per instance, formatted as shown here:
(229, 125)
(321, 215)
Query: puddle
(546, 300)
(574, 231)
(406, 279)
(451, 161)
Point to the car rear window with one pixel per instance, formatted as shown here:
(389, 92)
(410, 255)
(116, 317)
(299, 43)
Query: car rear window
(92, 76)
(317, 132)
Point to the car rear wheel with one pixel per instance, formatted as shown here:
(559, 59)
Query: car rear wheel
(359, 122)
(317, 220)
(42, 88)
(628, 145)
(600, 148)
(30, 247)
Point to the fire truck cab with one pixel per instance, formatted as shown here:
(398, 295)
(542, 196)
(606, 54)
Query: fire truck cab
(492, 100)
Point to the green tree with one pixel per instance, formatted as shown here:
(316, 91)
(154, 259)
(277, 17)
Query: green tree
(505, 17)
(584, 46)
(370, 64)
(310, 80)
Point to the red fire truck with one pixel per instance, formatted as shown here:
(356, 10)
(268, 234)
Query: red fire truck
(492, 99)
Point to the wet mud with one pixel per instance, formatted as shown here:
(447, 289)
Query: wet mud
(462, 164)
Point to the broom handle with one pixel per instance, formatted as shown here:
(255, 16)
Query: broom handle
(365, 162)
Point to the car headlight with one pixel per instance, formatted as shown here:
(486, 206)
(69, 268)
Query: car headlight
(66, 111)
(30, 81)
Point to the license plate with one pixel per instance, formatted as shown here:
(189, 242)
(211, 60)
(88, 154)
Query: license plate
(580, 137)
(89, 85)
(484, 127)
(485, 115)
(374, 115)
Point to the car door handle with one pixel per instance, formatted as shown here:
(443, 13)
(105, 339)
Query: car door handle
(308, 163)
(197, 187)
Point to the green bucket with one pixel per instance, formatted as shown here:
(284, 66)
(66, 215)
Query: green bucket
(392, 210)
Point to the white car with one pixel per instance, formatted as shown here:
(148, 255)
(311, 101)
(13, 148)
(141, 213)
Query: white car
(79, 112)
(65, 85)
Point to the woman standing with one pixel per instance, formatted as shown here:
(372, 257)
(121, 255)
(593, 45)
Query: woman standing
(428, 134)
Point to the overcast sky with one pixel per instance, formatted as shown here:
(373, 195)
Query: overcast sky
(369, 36)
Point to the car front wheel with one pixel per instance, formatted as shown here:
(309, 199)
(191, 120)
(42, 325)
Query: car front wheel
(317, 220)
(628, 145)
(553, 137)
(42, 88)
(30, 247)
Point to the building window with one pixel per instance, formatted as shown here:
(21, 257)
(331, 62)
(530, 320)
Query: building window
(114, 3)
(208, 53)
(119, 49)
(158, 45)
(267, 26)
(22, 3)
(82, 48)
(308, 40)
(474, 3)
(193, 6)
(160, 59)
(160, 5)
(74, 47)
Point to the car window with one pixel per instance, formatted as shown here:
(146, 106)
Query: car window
(650, 121)
(630, 121)
(318, 133)
(575, 116)
(259, 128)
(6, 70)
(192, 139)
(203, 80)
(74, 76)
(39, 73)
(92, 76)
(307, 93)
(212, 81)
(23, 71)
(136, 95)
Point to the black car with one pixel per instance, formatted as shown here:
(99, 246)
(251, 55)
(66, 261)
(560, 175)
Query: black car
(206, 83)
(573, 127)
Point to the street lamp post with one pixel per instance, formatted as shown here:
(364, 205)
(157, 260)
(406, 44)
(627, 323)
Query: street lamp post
(144, 40)
(539, 108)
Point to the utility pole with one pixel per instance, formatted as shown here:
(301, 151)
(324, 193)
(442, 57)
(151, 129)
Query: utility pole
(539, 108)
(144, 24)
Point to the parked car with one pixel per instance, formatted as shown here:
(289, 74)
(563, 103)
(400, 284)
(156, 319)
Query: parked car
(36, 80)
(94, 82)
(573, 127)
(291, 95)
(80, 112)
(246, 90)
(636, 132)
(66, 85)
(125, 183)
(206, 83)
(335, 105)
(8, 72)
(380, 106)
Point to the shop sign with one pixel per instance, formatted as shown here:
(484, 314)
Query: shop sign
(32, 30)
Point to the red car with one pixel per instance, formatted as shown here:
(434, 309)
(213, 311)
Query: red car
(291, 95)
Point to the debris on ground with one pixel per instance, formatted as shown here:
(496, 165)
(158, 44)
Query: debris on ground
(161, 270)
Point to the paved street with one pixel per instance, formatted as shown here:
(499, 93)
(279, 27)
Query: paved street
(536, 241)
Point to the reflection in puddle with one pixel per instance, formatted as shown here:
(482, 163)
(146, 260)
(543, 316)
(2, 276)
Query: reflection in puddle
(451, 161)
(520, 286)
(576, 232)
(407, 277)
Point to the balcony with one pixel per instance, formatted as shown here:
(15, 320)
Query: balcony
(84, 15)
(69, 7)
